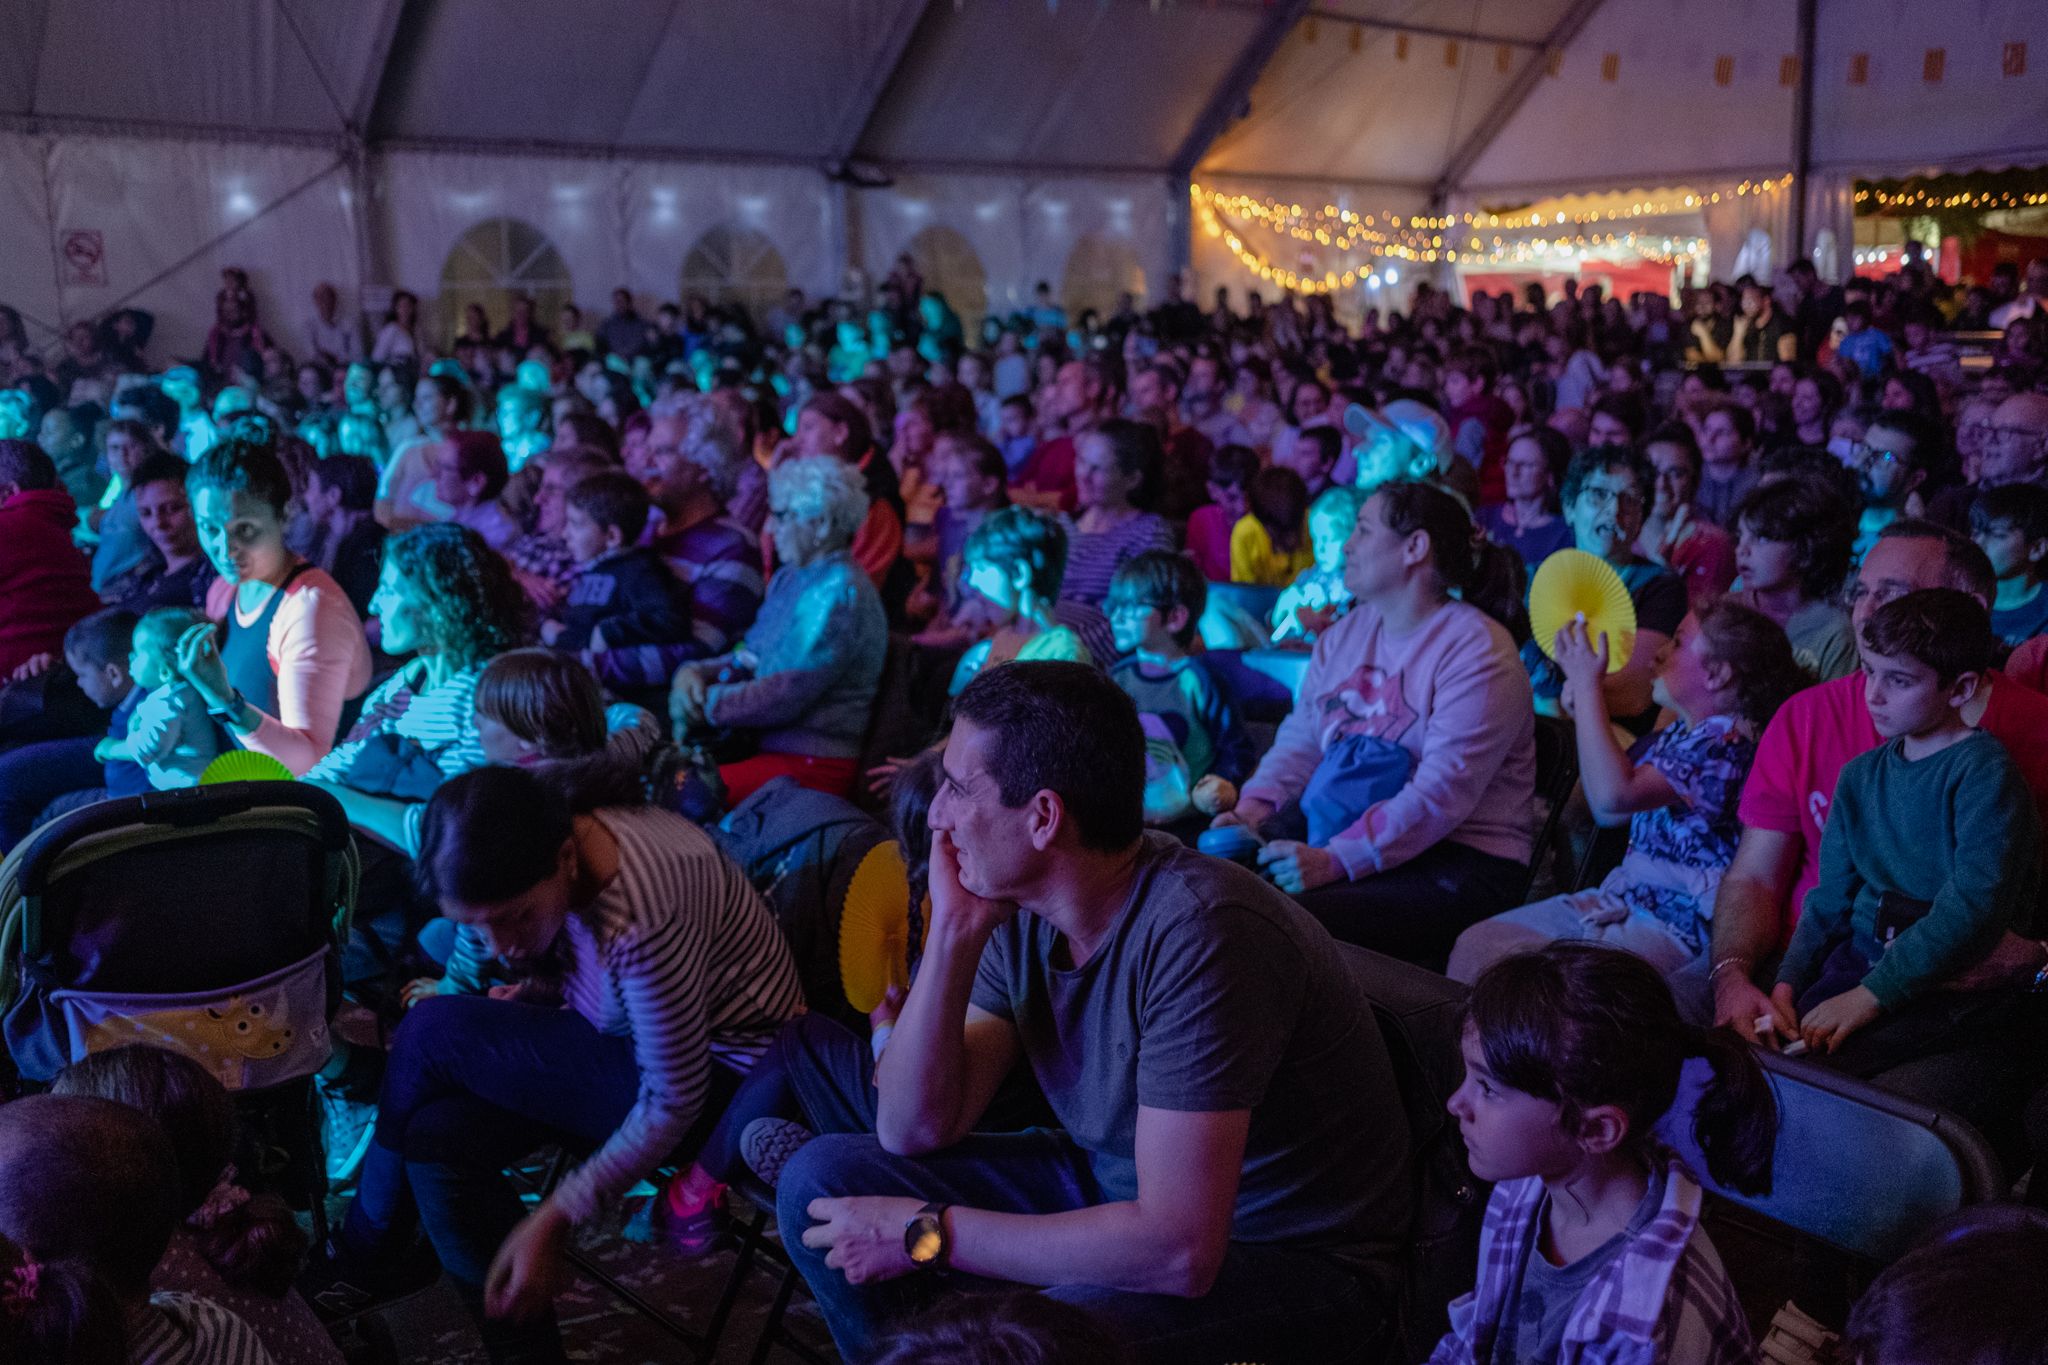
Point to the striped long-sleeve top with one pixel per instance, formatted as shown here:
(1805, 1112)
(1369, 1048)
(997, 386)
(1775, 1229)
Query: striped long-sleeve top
(679, 953)
(182, 1329)
(721, 561)
(441, 720)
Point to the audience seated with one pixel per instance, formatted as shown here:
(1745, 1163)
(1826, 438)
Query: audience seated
(177, 574)
(1787, 803)
(231, 1247)
(1593, 1231)
(89, 1202)
(674, 979)
(603, 489)
(1262, 1186)
(1723, 679)
(801, 683)
(293, 650)
(1404, 775)
(1792, 550)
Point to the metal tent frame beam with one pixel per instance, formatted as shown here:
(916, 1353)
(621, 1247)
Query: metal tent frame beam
(1236, 86)
(1461, 161)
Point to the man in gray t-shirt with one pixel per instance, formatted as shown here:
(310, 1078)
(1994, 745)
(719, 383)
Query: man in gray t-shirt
(1231, 1181)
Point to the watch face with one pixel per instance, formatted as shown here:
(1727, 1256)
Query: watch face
(924, 1239)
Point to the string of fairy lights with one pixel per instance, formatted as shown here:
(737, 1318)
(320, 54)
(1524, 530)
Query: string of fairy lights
(1471, 238)
(1874, 200)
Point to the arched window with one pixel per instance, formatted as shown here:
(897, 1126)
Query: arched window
(1098, 269)
(951, 266)
(495, 260)
(735, 265)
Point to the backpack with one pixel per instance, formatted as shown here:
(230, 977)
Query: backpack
(834, 880)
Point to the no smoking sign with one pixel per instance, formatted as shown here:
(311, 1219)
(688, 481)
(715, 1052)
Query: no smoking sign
(85, 258)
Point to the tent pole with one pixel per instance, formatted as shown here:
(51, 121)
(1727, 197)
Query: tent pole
(1802, 127)
(1180, 227)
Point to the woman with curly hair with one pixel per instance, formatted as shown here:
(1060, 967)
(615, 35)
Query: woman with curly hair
(448, 600)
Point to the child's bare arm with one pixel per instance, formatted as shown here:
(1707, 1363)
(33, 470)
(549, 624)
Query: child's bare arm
(1616, 786)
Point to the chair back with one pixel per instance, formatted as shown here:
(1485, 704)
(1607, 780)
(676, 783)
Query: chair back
(1557, 773)
(1421, 1014)
(1856, 1168)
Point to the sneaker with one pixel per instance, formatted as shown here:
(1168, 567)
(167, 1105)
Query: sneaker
(346, 1128)
(341, 1286)
(673, 1220)
(766, 1145)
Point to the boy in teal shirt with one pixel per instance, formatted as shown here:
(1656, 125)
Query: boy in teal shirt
(1931, 851)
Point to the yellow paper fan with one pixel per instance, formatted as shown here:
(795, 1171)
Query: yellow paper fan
(874, 928)
(1572, 583)
(243, 765)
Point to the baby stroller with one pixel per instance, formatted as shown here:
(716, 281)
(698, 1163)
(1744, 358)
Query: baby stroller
(207, 921)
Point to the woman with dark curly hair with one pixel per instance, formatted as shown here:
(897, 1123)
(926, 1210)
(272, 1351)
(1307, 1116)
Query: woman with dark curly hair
(449, 600)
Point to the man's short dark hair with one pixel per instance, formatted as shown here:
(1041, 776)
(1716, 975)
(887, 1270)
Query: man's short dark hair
(2022, 506)
(1968, 568)
(352, 476)
(159, 467)
(1067, 729)
(1163, 579)
(27, 466)
(1739, 417)
(613, 498)
(1328, 441)
(156, 409)
(1625, 408)
(103, 637)
(1948, 631)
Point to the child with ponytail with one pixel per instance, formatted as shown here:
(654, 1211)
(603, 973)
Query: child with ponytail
(1592, 1251)
(89, 1198)
(239, 1249)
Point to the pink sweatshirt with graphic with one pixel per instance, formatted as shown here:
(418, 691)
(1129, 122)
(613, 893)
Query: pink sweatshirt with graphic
(1453, 693)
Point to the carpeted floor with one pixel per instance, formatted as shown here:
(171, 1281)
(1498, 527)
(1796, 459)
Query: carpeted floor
(597, 1328)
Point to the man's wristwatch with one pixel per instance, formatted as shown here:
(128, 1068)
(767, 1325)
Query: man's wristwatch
(924, 1238)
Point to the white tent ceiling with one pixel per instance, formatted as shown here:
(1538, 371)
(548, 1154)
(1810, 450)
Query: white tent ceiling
(1441, 94)
(358, 140)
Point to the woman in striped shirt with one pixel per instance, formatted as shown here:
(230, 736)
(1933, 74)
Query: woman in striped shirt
(651, 977)
(447, 599)
(1117, 476)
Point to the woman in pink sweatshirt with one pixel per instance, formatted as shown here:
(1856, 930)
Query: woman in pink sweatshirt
(1395, 801)
(293, 652)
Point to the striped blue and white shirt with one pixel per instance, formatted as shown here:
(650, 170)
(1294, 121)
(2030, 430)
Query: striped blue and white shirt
(679, 953)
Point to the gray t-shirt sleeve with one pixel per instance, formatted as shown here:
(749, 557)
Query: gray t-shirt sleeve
(992, 977)
(1217, 1012)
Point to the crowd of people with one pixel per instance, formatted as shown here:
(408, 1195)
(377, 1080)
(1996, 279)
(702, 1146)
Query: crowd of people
(537, 605)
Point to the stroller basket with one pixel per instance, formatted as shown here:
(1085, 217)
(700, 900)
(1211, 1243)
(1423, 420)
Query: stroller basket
(206, 920)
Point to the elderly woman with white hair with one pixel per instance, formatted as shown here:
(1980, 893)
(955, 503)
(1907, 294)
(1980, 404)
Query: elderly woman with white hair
(693, 464)
(803, 681)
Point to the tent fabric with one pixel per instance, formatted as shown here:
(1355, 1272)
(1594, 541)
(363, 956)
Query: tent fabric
(1018, 141)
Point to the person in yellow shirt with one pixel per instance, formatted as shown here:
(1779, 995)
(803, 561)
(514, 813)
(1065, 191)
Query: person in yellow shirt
(1270, 543)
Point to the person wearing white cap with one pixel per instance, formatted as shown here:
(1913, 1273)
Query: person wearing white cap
(1407, 439)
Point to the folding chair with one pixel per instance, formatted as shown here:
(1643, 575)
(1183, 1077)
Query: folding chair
(1858, 1175)
(1557, 773)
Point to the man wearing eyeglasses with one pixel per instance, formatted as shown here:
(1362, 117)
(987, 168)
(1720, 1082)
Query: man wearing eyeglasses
(2015, 450)
(1784, 808)
(1891, 464)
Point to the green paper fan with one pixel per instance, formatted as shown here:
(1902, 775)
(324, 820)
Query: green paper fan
(1572, 583)
(241, 765)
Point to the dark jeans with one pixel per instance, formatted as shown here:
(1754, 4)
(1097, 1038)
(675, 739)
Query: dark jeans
(1416, 911)
(1271, 1304)
(473, 1085)
(820, 1073)
(34, 775)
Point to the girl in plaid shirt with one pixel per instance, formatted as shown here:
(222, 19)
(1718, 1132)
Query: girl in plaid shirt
(1592, 1251)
